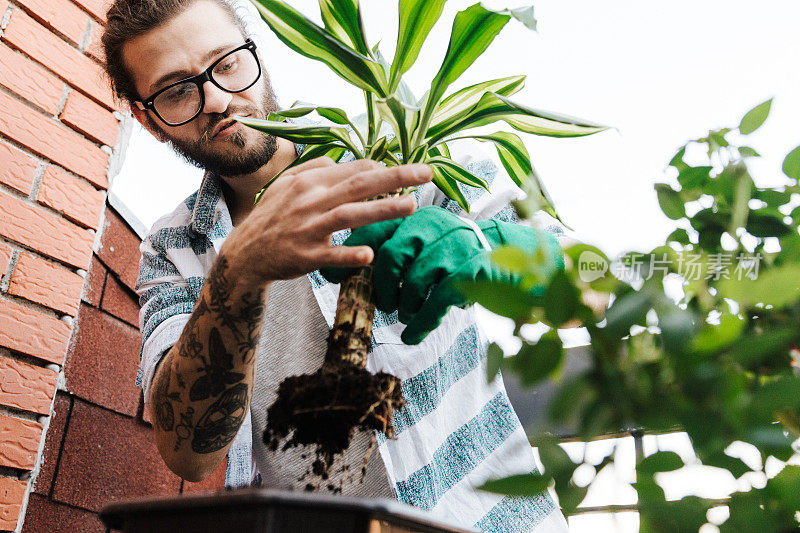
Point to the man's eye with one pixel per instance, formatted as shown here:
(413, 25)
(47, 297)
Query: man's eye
(180, 92)
(226, 66)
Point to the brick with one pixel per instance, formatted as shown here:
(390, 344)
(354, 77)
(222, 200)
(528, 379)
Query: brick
(53, 140)
(103, 363)
(5, 257)
(107, 457)
(119, 249)
(20, 443)
(214, 482)
(98, 8)
(60, 15)
(33, 333)
(69, 64)
(17, 169)
(85, 116)
(52, 444)
(29, 80)
(95, 49)
(12, 492)
(26, 387)
(43, 515)
(95, 282)
(76, 199)
(120, 301)
(46, 283)
(45, 232)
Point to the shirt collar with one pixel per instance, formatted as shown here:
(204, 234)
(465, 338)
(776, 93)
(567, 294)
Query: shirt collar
(208, 203)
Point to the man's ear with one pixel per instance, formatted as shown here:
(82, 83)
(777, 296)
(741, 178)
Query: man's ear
(141, 116)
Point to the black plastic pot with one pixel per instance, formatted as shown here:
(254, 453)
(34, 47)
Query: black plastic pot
(268, 511)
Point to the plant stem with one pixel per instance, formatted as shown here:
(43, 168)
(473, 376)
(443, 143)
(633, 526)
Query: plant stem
(351, 337)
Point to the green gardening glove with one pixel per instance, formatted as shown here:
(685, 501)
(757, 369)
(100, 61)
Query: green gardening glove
(420, 259)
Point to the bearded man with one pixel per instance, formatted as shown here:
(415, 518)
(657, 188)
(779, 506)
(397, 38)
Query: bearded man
(233, 301)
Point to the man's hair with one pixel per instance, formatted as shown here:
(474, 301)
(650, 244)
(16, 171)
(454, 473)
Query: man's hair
(128, 19)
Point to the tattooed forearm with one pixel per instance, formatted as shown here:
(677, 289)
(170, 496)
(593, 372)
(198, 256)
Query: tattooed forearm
(241, 319)
(220, 423)
(202, 393)
(163, 412)
(185, 428)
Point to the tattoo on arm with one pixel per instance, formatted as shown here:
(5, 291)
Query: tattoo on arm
(163, 412)
(220, 423)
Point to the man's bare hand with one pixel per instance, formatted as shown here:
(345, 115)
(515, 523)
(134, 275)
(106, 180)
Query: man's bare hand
(289, 232)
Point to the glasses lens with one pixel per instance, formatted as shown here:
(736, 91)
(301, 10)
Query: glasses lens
(236, 71)
(178, 103)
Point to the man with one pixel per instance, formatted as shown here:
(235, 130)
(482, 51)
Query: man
(232, 300)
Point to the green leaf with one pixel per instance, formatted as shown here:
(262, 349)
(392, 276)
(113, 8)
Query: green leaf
(714, 338)
(403, 118)
(791, 164)
(561, 299)
(625, 312)
(342, 19)
(512, 152)
(306, 38)
(660, 462)
(511, 258)
(677, 327)
(746, 151)
(520, 485)
(493, 107)
(457, 172)
(782, 393)
(334, 151)
(670, 201)
(754, 118)
(762, 223)
(449, 186)
(302, 134)
(473, 31)
(680, 236)
(417, 17)
(693, 177)
(504, 299)
(458, 104)
(752, 350)
(494, 360)
(777, 287)
(536, 361)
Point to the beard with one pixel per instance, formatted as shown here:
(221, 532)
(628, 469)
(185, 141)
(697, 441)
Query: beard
(245, 160)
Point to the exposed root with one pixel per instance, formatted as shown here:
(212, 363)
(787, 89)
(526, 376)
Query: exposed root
(324, 408)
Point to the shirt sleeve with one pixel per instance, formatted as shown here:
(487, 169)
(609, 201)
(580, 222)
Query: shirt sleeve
(167, 299)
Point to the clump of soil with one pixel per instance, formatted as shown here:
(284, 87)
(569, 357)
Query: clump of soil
(325, 408)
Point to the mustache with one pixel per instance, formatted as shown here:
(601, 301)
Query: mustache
(215, 118)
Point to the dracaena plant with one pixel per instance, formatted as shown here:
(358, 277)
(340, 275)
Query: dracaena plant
(419, 129)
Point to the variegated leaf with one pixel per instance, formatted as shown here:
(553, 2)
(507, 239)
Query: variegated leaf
(417, 17)
(306, 38)
(403, 118)
(460, 102)
(493, 107)
(303, 134)
(449, 187)
(457, 172)
(342, 18)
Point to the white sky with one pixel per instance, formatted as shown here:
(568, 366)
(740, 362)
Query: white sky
(661, 73)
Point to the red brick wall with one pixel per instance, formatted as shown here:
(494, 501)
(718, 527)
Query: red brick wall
(72, 433)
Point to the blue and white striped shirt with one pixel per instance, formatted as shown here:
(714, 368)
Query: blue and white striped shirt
(456, 430)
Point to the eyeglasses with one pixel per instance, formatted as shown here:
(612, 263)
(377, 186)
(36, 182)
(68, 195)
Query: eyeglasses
(181, 102)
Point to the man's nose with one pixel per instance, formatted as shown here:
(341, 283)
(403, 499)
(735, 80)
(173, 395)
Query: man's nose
(216, 99)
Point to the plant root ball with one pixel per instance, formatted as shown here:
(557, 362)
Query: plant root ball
(324, 408)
